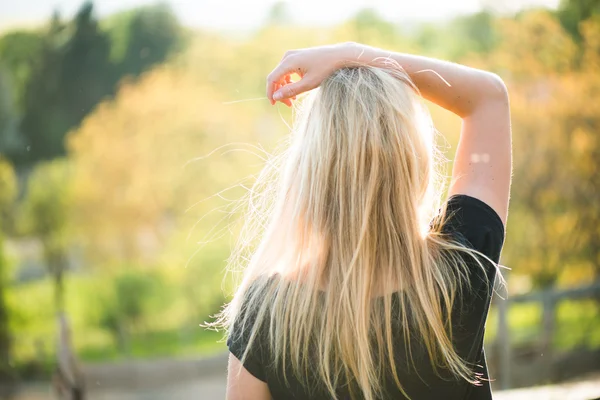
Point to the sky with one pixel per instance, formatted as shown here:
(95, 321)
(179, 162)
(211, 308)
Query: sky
(247, 14)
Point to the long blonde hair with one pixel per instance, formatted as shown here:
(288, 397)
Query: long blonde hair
(338, 222)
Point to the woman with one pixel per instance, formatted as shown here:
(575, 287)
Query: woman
(357, 285)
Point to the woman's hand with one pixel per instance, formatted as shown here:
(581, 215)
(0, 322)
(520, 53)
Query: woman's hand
(313, 65)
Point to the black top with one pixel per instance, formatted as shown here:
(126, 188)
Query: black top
(471, 222)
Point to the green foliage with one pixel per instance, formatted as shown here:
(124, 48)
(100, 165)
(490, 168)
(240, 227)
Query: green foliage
(127, 303)
(158, 324)
(71, 77)
(44, 209)
(367, 26)
(45, 215)
(62, 72)
(142, 38)
(473, 33)
(9, 137)
(8, 192)
(573, 12)
(132, 291)
(461, 37)
(19, 55)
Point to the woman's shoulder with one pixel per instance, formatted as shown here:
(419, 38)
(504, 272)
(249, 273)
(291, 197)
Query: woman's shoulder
(474, 223)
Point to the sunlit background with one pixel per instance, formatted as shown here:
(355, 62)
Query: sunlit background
(128, 129)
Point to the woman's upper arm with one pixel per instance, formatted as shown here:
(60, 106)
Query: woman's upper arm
(483, 161)
(242, 385)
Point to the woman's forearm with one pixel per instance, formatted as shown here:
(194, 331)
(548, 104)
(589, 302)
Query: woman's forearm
(457, 88)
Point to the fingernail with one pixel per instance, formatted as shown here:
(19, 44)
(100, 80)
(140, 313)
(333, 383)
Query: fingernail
(277, 96)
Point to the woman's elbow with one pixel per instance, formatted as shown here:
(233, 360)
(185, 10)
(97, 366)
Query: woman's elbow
(495, 87)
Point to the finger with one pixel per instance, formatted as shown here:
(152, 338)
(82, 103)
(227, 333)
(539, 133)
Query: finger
(294, 89)
(270, 89)
(278, 86)
(285, 67)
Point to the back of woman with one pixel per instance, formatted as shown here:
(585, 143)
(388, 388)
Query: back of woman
(359, 283)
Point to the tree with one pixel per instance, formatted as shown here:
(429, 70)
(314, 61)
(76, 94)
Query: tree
(85, 77)
(79, 64)
(73, 75)
(367, 26)
(142, 38)
(573, 12)
(473, 33)
(45, 215)
(581, 118)
(9, 139)
(126, 305)
(554, 236)
(42, 118)
(460, 37)
(19, 55)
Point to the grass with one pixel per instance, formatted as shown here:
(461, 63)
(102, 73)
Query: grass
(171, 343)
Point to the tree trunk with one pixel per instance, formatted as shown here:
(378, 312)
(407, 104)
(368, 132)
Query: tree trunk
(59, 289)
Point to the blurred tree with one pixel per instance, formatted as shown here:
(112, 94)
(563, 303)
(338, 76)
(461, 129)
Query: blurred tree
(367, 26)
(8, 190)
(126, 305)
(19, 54)
(554, 234)
(9, 139)
(428, 37)
(85, 73)
(45, 215)
(573, 12)
(142, 38)
(472, 33)
(533, 48)
(131, 179)
(44, 120)
(581, 117)
(458, 38)
(80, 64)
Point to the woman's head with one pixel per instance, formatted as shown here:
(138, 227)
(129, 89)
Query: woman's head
(339, 218)
(361, 162)
(370, 126)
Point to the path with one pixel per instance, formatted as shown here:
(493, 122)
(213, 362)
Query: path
(213, 387)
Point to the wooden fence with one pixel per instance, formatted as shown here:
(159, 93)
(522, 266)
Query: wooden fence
(542, 368)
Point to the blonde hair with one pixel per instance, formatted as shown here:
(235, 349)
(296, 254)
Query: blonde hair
(337, 223)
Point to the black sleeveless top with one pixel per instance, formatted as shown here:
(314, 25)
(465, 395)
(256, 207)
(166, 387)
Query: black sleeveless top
(478, 226)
